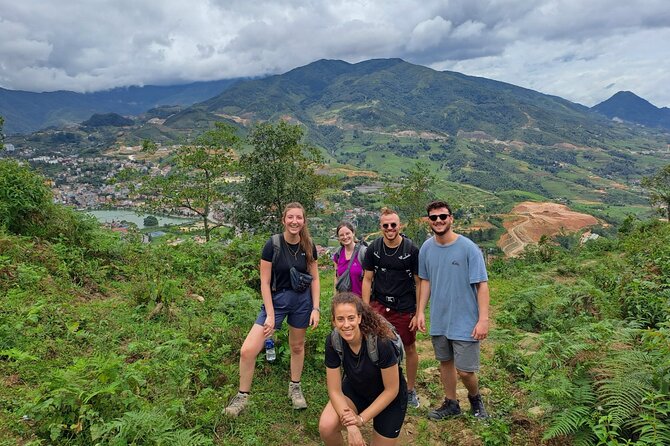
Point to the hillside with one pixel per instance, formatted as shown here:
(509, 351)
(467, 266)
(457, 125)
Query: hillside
(26, 112)
(627, 106)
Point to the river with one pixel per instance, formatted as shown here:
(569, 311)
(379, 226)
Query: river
(108, 216)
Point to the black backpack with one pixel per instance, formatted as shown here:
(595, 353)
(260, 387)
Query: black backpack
(371, 341)
(376, 248)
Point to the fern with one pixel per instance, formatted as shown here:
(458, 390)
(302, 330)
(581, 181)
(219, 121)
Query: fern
(577, 417)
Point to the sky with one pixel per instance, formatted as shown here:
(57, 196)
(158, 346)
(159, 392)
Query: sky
(581, 50)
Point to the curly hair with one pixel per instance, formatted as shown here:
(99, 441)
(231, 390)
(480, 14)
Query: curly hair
(371, 322)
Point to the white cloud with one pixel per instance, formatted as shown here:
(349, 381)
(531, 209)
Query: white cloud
(583, 51)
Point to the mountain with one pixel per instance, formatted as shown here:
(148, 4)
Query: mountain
(627, 106)
(25, 111)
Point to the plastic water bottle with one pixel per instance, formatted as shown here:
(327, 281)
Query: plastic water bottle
(270, 353)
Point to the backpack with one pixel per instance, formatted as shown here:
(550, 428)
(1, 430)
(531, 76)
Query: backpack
(376, 247)
(276, 249)
(361, 246)
(371, 341)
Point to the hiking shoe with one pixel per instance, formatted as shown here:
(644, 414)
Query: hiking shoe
(237, 404)
(477, 407)
(297, 398)
(413, 399)
(449, 408)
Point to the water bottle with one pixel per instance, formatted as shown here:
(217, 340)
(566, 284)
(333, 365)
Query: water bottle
(270, 353)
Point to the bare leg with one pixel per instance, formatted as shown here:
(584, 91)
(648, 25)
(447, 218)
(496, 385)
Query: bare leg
(330, 428)
(448, 377)
(378, 440)
(252, 346)
(296, 340)
(412, 365)
(470, 381)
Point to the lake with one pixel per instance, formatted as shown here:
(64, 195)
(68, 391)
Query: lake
(108, 216)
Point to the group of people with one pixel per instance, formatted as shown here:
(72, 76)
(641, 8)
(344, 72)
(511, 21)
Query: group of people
(381, 291)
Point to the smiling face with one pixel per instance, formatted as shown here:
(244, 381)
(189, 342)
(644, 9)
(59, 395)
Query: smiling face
(294, 221)
(346, 236)
(390, 226)
(440, 227)
(347, 321)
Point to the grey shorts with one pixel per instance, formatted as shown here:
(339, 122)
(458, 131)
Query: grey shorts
(464, 353)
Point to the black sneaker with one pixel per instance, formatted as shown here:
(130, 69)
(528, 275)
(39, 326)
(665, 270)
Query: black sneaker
(477, 407)
(449, 408)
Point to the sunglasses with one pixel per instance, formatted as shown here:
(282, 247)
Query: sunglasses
(392, 225)
(441, 216)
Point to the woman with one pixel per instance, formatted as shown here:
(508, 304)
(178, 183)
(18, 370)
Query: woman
(346, 234)
(368, 391)
(280, 301)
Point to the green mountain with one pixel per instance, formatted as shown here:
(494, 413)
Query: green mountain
(385, 114)
(627, 106)
(26, 112)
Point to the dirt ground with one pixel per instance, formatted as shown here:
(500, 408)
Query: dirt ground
(529, 221)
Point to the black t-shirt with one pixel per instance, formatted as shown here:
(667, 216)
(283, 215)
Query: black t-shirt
(363, 375)
(393, 283)
(289, 255)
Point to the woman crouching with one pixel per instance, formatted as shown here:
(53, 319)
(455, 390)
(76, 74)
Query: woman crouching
(368, 389)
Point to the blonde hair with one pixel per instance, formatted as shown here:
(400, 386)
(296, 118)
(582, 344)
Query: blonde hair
(305, 238)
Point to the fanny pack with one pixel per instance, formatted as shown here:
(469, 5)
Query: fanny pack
(300, 281)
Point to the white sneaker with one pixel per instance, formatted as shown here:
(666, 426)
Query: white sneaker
(297, 398)
(237, 404)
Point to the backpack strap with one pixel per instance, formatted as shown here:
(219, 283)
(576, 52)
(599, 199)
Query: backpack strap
(336, 340)
(361, 253)
(373, 353)
(276, 249)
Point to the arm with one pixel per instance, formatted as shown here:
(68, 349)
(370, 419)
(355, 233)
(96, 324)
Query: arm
(266, 293)
(481, 329)
(316, 295)
(414, 323)
(391, 379)
(424, 296)
(366, 288)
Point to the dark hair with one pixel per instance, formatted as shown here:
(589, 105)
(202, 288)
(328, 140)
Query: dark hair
(437, 204)
(305, 237)
(371, 322)
(345, 224)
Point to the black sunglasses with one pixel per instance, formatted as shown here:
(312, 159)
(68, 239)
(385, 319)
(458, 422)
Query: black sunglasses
(392, 225)
(442, 217)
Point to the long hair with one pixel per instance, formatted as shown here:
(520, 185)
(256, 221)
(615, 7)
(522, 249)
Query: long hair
(305, 237)
(371, 322)
(349, 226)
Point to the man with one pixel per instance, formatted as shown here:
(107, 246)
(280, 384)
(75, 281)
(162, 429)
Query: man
(390, 286)
(453, 273)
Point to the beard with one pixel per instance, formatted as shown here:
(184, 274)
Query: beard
(442, 231)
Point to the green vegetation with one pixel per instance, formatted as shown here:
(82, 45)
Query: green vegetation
(659, 189)
(105, 340)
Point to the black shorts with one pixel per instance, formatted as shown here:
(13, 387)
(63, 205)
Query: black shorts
(389, 421)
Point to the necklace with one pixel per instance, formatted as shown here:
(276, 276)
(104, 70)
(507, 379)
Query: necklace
(294, 254)
(394, 251)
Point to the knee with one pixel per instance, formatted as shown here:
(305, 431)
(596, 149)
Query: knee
(247, 353)
(465, 375)
(328, 425)
(297, 348)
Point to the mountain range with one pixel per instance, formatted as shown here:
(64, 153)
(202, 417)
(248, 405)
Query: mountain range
(627, 106)
(386, 114)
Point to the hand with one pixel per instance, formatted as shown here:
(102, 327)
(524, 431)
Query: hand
(269, 325)
(421, 322)
(413, 325)
(350, 418)
(314, 319)
(481, 330)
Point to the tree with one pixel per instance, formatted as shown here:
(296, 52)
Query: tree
(197, 178)
(410, 199)
(659, 189)
(278, 170)
(150, 221)
(2, 136)
(25, 199)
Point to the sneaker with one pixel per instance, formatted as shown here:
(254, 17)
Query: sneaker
(237, 404)
(412, 399)
(297, 398)
(449, 408)
(477, 407)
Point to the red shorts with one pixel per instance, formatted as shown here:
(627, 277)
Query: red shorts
(399, 320)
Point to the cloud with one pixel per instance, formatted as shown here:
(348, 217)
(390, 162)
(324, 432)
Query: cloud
(583, 51)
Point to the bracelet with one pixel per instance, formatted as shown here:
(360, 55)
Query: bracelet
(316, 309)
(361, 420)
